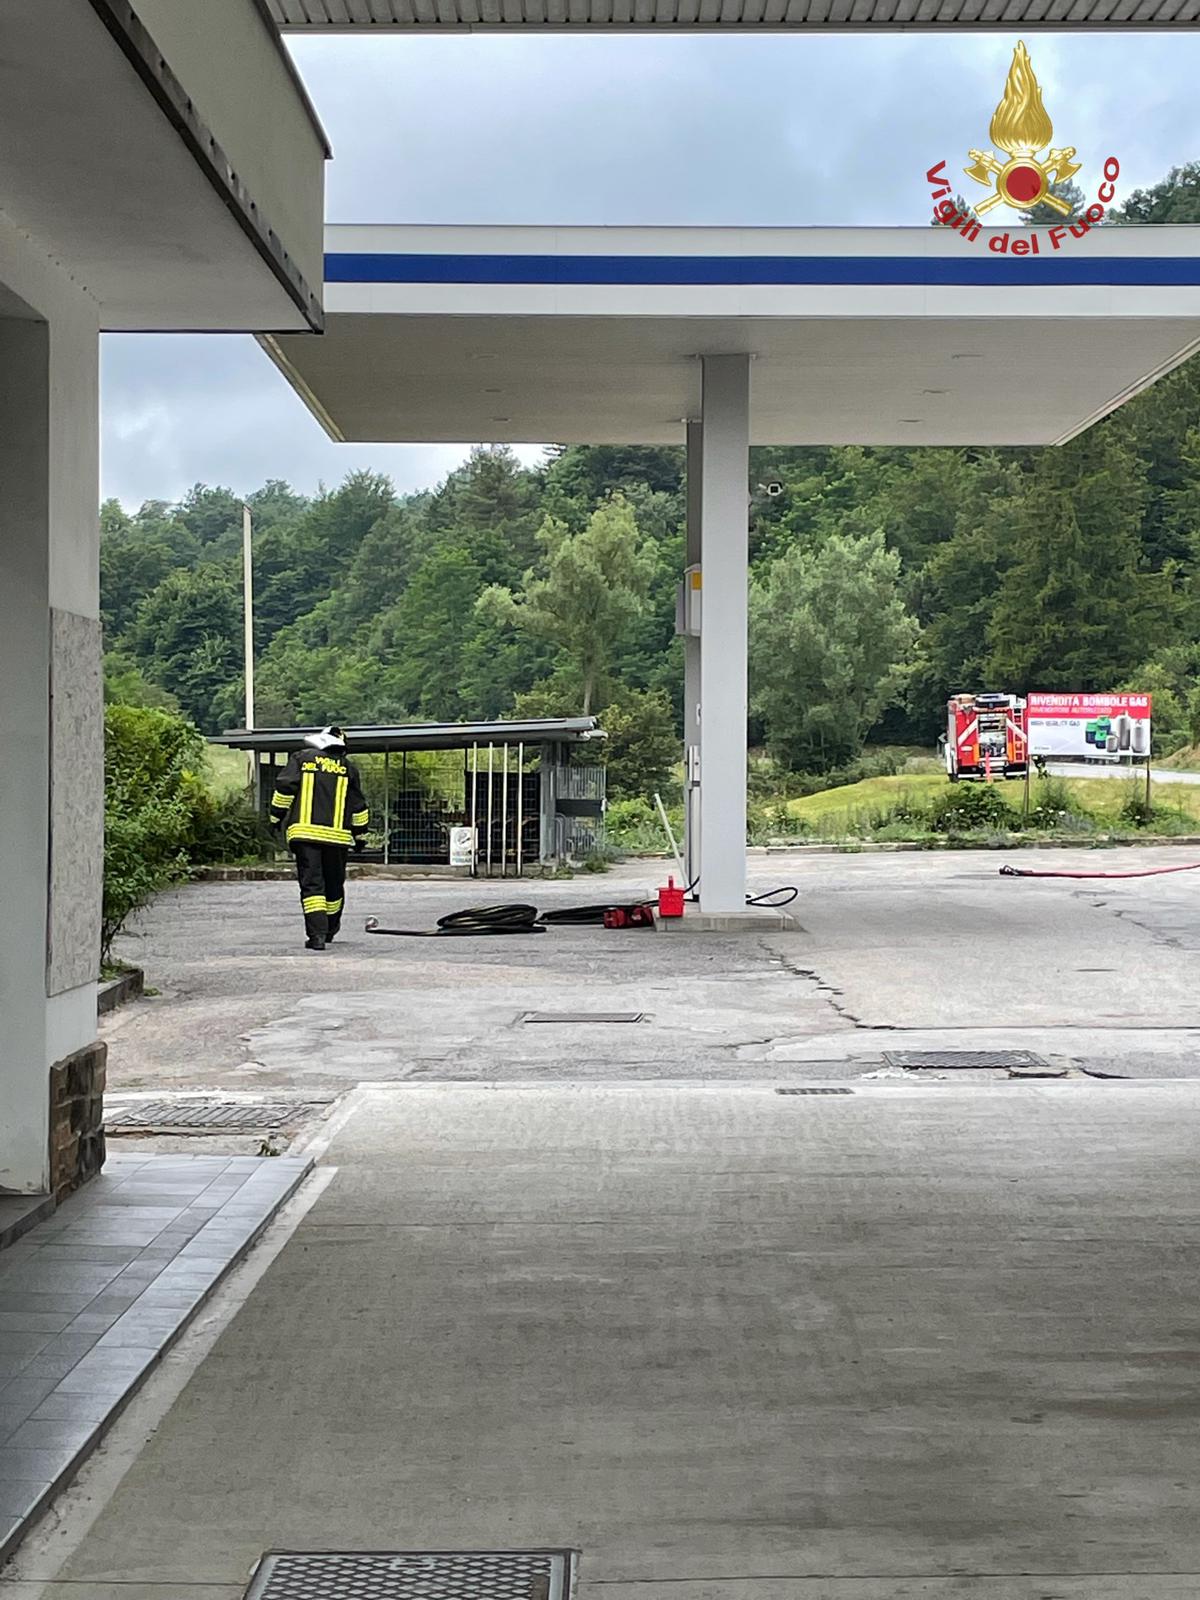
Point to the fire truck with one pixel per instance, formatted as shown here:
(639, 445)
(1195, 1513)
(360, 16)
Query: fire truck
(987, 736)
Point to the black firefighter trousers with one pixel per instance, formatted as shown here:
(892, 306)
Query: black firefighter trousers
(321, 870)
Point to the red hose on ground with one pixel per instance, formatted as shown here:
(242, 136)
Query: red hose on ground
(1146, 872)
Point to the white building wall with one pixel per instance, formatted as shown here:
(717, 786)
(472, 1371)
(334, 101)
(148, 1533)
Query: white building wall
(51, 781)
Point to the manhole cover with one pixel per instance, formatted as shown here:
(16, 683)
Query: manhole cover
(809, 1088)
(204, 1116)
(963, 1060)
(462, 1575)
(584, 1016)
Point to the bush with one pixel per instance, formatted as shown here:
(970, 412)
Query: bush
(1055, 809)
(150, 758)
(1136, 809)
(633, 825)
(765, 823)
(970, 809)
(224, 828)
(642, 748)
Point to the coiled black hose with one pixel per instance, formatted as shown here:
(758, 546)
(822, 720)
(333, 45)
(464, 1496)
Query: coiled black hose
(474, 922)
(479, 921)
(584, 916)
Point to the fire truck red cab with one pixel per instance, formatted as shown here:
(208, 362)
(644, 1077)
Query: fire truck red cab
(987, 736)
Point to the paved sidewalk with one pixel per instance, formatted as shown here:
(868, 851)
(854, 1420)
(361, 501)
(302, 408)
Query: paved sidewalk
(91, 1297)
(933, 1342)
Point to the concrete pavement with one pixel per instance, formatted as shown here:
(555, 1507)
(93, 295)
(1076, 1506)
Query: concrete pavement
(928, 949)
(932, 1342)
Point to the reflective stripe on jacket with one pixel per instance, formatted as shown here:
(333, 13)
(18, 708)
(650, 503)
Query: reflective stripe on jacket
(319, 795)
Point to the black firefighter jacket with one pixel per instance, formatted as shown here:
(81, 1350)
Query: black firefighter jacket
(320, 797)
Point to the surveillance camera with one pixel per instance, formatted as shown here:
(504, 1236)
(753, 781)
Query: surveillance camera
(773, 489)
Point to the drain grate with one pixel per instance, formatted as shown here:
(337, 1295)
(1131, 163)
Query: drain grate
(584, 1016)
(809, 1088)
(426, 1575)
(204, 1116)
(963, 1060)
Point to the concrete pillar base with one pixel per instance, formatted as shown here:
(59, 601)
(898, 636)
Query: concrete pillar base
(754, 919)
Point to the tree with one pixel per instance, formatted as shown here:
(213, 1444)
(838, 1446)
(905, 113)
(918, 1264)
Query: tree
(419, 641)
(962, 208)
(339, 520)
(642, 749)
(593, 590)
(187, 636)
(274, 503)
(1046, 216)
(830, 639)
(1176, 199)
(125, 684)
(489, 507)
(212, 516)
(1077, 609)
(130, 567)
(585, 474)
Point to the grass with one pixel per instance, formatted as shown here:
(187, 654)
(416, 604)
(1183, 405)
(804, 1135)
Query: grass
(870, 794)
(875, 807)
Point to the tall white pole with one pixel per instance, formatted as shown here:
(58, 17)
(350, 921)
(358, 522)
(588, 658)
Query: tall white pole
(724, 529)
(248, 612)
(520, 803)
(691, 665)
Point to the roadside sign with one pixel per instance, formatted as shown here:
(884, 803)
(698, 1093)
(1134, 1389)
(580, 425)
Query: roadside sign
(1090, 726)
(462, 844)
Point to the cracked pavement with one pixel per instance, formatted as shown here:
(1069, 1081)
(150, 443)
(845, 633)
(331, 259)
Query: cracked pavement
(933, 950)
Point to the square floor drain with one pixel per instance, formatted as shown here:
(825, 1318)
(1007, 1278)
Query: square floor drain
(584, 1016)
(965, 1060)
(813, 1088)
(416, 1575)
(204, 1116)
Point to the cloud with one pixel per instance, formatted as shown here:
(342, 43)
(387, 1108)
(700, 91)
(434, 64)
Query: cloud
(699, 129)
(179, 409)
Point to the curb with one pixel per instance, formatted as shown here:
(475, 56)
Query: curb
(359, 871)
(116, 992)
(864, 847)
(38, 1208)
(11, 1537)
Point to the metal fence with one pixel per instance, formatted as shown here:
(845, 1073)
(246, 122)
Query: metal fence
(418, 798)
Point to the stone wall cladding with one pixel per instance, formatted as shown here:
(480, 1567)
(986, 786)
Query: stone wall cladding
(77, 1118)
(76, 801)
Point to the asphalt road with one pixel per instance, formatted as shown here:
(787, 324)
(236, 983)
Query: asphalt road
(1107, 769)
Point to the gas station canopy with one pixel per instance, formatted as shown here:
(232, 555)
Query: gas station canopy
(724, 337)
(722, 15)
(873, 336)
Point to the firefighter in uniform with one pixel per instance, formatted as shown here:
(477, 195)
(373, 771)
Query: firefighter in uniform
(318, 797)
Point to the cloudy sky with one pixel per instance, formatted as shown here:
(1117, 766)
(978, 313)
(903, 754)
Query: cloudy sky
(621, 129)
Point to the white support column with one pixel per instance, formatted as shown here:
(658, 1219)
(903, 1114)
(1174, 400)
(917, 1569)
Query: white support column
(724, 553)
(51, 719)
(25, 734)
(691, 665)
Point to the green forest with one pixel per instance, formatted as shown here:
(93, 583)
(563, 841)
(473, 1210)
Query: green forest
(882, 580)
